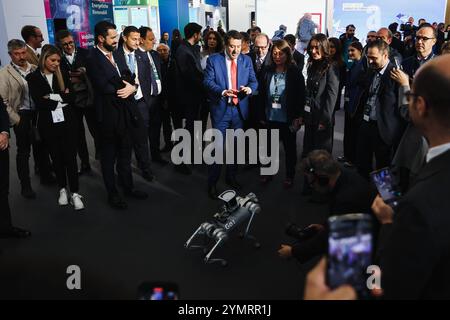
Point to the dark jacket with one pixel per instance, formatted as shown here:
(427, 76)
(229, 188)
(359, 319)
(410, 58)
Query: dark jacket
(390, 123)
(352, 194)
(113, 112)
(189, 75)
(146, 79)
(39, 88)
(4, 118)
(414, 250)
(266, 64)
(84, 94)
(321, 94)
(293, 97)
(352, 90)
(411, 64)
(299, 59)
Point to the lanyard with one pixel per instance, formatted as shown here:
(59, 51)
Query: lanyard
(20, 72)
(154, 70)
(278, 77)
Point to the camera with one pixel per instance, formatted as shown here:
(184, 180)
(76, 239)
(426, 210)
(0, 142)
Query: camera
(294, 231)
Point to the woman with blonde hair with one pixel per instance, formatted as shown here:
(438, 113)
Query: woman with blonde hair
(50, 91)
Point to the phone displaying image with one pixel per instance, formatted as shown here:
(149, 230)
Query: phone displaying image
(384, 181)
(158, 291)
(350, 252)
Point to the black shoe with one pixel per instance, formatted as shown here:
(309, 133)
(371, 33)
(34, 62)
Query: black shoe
(212, 192)
(183, 169)
(160, 161)
(85, 169)
(15, 232)
(136, 194)
(148, 175)
(167, 148)
(232, 182)
(117, 202)
(48, 180)
(28, 193)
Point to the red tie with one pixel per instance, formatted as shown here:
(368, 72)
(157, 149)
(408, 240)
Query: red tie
(234, 80)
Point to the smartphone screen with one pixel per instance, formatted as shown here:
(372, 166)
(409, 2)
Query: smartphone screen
(384, 182)
(158, 291)
(350, 252)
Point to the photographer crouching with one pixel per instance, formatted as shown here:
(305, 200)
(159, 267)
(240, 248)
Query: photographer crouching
(345, 192)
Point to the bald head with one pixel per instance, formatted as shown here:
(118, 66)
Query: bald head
(385, 34)
(431, 87)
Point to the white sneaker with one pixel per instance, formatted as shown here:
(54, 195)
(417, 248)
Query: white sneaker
(63, 200)
(75, 200)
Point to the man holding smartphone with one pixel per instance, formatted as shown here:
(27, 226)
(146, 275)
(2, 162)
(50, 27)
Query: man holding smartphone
(228, 100)
(414, 244)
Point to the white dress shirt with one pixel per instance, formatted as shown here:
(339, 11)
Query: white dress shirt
(70, 58)
(437, 151)
(138, 95)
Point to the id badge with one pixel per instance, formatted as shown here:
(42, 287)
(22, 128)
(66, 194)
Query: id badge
(308, 109)
(58, 116)
(366, 118)
(276, 105)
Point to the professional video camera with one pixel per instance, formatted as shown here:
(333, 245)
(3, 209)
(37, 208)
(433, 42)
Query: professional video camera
(235, 211)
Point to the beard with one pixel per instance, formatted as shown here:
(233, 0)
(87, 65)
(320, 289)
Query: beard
(109, 47)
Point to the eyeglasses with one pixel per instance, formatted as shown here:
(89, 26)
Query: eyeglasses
(424, 39)
(410, 96)
(68, 44)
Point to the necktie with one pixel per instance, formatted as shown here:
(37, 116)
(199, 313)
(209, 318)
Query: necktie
(154, 74)
(234, 80)
(110, 58)
(258, 64)
(131, 64)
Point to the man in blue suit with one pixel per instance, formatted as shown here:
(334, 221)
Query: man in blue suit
(229, 81)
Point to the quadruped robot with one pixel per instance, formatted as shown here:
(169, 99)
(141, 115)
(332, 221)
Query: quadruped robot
(236, 211)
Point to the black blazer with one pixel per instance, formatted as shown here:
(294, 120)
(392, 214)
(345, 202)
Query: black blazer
(189, 74)
(414, 250)
(322, 91)
(105, 80)
(80, 60)
(39, 88)
(145, 80)
(4, 118)
(267, 62)
(293, 97)
(299, 59)
(390, 124)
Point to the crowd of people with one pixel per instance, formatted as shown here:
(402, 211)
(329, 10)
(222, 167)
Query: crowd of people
(128, 90)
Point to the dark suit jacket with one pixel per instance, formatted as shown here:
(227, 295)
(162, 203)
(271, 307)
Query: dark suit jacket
(189, 75)
(299, 59)
(322, 91)
(266, 64)
(216, 81)
(4, 118)
(80, 61)
(145, 80)
(352, 194)
(414, 250)
(293, 97)
(411, 64)
(390, 124)
(39, 88)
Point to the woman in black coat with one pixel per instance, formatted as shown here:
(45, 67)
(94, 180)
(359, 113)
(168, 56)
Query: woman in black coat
(49, 89)
(282, 97)
(322, 88)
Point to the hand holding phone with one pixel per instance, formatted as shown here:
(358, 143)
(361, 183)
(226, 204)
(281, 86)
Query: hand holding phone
(384, 181)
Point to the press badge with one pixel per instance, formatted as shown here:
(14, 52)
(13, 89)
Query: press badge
(276, 102)
(366, 118)
(58, 116)
(308, 109)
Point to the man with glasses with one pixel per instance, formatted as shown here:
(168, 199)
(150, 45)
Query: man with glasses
(425, 40)
(33, 37)
(73, 63)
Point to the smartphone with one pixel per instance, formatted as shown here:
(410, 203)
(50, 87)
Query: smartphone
(158, 291)
(350, 252)
(384, 181)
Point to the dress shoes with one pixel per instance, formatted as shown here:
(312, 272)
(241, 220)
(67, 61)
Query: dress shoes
(117, 202)
(136, 194)
(232, 182)
(212, 192)
(15, 232)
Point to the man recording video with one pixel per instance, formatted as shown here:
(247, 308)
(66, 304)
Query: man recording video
(346, 192)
